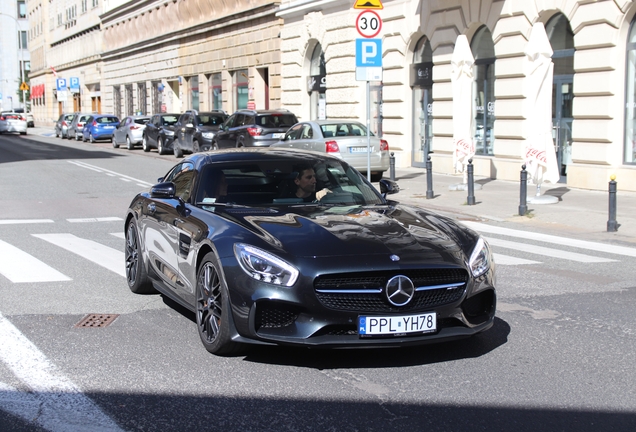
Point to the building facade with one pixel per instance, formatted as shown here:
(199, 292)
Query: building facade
(15, 60)
(172, 55)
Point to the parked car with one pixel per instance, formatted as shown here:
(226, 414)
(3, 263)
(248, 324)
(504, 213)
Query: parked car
(253, 128)
(29, 116)
(76, 127)
(366, 272)
(62, 124)
(159, 132)
(344, 139)
(130, 131)
(13, 122)
(195, 131)
(99, 127)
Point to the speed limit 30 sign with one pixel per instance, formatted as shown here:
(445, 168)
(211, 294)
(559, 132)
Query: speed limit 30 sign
(368, 23)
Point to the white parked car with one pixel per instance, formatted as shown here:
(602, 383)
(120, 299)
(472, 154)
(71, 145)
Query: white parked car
(130, 131)
(13, 122)
(342, 138)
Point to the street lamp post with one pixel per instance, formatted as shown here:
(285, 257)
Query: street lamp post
(20, 60)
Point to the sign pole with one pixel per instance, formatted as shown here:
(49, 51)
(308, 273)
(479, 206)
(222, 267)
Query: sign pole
(369, 131)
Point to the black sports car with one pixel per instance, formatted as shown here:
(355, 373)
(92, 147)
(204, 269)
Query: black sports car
(230, 236)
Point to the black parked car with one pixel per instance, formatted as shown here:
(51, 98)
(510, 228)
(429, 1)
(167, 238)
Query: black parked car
(195, 131)
(223, 236)
(159, 132)
(254, 128)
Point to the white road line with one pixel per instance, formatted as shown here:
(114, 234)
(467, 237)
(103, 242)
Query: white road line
(102, 219)
(509, 260)
(119, 234)
(104, 256)
(24, 221)
(18, 266)
(61, 406)
(96, 168)
(563, 241)
(540, 250)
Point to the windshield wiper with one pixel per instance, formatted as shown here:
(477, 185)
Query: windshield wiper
(218, 204)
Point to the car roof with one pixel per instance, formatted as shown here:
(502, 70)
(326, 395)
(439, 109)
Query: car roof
(326, 122)
(255, 154)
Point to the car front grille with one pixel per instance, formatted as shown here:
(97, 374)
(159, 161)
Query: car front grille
(274, 316)
(369, 295)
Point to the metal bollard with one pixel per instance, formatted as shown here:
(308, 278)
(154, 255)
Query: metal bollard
(612, 225)
(471, 186)
(429, 178)
(523, 191)
(392, 166)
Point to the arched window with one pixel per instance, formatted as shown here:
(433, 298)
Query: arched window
(483, 51)
(630, 97)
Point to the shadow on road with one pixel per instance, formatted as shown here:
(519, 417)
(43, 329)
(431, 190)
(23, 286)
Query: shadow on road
(16, 148)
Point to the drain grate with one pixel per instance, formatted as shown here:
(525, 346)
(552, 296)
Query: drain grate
(97, 320)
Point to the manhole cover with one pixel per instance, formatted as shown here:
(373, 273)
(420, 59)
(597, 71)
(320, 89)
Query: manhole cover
(97, 320)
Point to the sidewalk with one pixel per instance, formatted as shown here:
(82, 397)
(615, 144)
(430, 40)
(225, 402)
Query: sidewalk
(578, 211)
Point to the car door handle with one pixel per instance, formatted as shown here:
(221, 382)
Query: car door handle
(151, 208)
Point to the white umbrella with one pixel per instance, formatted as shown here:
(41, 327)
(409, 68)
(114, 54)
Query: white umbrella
(463, 120)
(538, 153)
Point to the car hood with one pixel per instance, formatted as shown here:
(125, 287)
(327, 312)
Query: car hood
(208, 128)
(411, 233)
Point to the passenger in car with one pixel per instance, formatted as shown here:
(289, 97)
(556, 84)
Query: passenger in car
(305, 182)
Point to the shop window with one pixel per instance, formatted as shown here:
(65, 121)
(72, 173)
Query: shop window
(483, 51)
(241, 88)
(193, 83)
(141, 98)
(630, 98)
(317, 84)
(216, 91)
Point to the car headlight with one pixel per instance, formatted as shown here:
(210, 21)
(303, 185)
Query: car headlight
(208, 135)
(264, 266)
(480, 258)
(169, 133)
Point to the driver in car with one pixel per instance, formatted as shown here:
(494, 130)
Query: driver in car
(306, 185)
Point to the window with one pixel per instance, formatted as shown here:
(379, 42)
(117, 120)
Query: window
(22, 10)
(22, 40)
(95, 3)
(182, 176)
(630, 98)
(141, 98)
(84, 5)
(216, 91)
(193, 82)
(241, 79)
(483, 51)
(117, 100)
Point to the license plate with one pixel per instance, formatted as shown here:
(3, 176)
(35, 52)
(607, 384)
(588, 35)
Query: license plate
(369, 326)
(109, 127)
(278, 135)
(357, 150)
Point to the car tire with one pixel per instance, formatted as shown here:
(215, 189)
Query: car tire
(144, 144)
(23, 133)
(129, 144)
(178, 153)
(83, 138)
(195, 147)
(160, 149)
(57, 135)
(91, 138)
(215, 146)
(136, 274)
(376, 176)
(76, 137)
(213, 311)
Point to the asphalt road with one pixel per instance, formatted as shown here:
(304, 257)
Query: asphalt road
(560, 356)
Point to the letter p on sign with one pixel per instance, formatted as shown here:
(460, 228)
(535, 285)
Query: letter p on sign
(369, 52)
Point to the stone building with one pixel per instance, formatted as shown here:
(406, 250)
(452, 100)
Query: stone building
(14, 55)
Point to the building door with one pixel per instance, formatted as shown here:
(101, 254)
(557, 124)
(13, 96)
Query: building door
(422, 125)
(562, 95)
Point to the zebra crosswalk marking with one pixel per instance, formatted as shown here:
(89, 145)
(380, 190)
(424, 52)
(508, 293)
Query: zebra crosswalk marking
(18, 266)
(104, 256)
(510, 260)
(540, 250)
(546, 238)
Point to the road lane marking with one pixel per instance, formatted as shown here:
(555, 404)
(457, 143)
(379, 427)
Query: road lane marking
(509, 260)
(20, 267)
(104, 256)
(121, 235)
(59, 404)
(24, 221)
(99, 169)
(102, 219)
(546, 238)
(540, 250)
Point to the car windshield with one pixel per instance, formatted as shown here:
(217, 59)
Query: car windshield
(106, 120)
(271, 183)
(343, 129)
(142, 121)
(276, 120)
(209, 120)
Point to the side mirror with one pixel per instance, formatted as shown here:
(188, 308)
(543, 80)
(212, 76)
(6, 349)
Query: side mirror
(388, 187)
(163, 190)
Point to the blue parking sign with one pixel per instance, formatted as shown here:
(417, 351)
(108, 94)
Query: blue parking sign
(60, 84)
(75, 83)
(368, 52)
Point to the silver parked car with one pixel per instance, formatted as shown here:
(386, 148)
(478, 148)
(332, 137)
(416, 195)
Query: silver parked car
(342, 138)
(62, 124)
(13, 122)
(76, 127)
(130, 131)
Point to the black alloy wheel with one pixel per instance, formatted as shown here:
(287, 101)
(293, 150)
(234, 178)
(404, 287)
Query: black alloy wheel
(160, 148)
(136, 275)
(213, 309)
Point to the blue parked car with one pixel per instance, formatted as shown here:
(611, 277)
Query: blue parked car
(99, 127)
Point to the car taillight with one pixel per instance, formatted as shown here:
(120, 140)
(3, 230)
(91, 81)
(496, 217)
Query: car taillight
(2, 118)
(384, 145)
(64, 123)
(134, 127)
(80, 125)
(254, 131)
(332, 147)
(94, 123)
